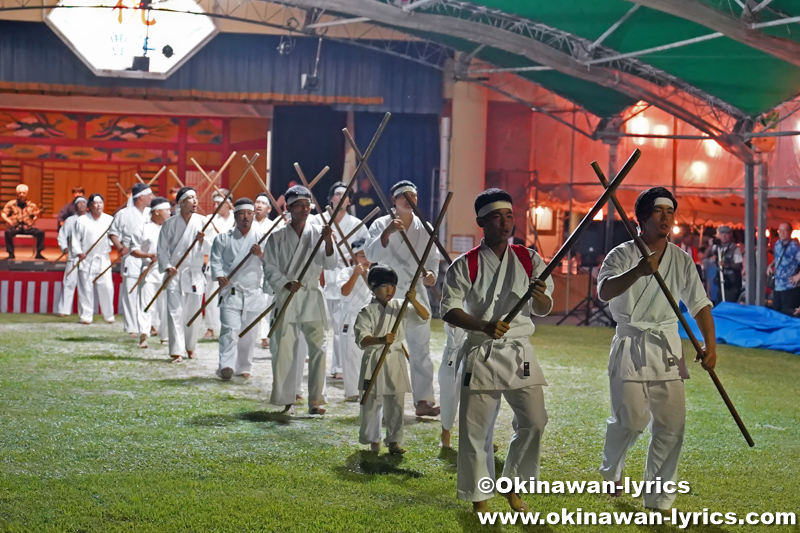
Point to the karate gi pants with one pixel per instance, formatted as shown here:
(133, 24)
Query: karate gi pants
(418, 340)
(156, 317)
(351, 362)
(476, 434)
(263, 324)
(386, 407)
(635, 405)
(212, 309)
(288, 362)
(236, 353)
(130, 305)
(68, 286)
(450, 376)
(180, 308)
(105, 295)
(336, 320)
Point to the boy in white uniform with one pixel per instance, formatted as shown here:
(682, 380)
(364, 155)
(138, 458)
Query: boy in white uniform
(185, 287)
(242, 297)
(65, 236)
(286, 252)
(646, 368)
(386, 246)
(355, 295)
(373, 329)
(481, 288)
(144, 245)
(92, 228)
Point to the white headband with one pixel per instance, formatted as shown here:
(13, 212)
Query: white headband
(186, 195)
(494, 206)
(162, 206)
(244, 207)
(664, 201)
(338, 190)
(405, 188)
(293, 199)
(148, 190)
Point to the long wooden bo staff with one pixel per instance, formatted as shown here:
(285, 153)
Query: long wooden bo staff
(100, 238)
(420, 267)
(233, 272)
(421, 218)
(100, 275)
(320, 209)
(645, 251)
(168, 278)
(338, 208)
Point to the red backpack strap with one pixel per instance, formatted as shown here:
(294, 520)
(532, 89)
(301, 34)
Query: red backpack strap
(524, 256)
(472, 263)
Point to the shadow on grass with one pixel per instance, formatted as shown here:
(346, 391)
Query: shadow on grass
(84, 338)
(362, 465)
(221, 420)
(113, 358)
(449, 455)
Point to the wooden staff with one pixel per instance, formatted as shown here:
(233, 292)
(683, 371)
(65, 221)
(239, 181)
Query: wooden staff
(371, 382)
(142, 276)
(154, 178)
(219, 173)
(320, 210)
(100, 275)
(645, 251)
(372, 214)
(350, 184)
(202, 211)
(124, 192)
(572, 239)
(205, 226)
(421, 218)
(211, 182)
(385, 201)
(100, 238)
(271, 198)
(234, 271)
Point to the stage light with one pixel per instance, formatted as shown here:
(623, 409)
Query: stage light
(167, 51)
(676, 229)
(713, 149)
(598, 216)
(639, 125)
(698, 170)
(767, 232)
(796, 234)
(661, 129)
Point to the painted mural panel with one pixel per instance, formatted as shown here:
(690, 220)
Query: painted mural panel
(80, 153)
(204, 131)
(131, 128)
(35, 125)
(133, 155)
(24, 151)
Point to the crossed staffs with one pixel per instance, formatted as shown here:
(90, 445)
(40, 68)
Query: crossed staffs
(645, 251)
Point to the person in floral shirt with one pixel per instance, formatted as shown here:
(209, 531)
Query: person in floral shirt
(786, 266)
(19, 216)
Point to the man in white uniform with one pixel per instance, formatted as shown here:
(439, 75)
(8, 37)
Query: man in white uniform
(65, 236)
(262, 223)
(128, 222)
(92, 228)
(332, 293)
(143, 246)
(186, 284)
(222, 222)
(242, 296)
(646, 368)
(386, 246)
(481, 287)
(286, 253)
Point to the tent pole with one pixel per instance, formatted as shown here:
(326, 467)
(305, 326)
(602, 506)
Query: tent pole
(675, 157)
(749, 233)
(761, 258)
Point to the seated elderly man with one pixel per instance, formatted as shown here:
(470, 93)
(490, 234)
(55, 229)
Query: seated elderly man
(19, 216)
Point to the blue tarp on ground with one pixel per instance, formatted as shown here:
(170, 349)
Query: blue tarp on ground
(751, 326)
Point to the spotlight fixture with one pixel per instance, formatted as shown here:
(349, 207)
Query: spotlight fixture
(168, 51)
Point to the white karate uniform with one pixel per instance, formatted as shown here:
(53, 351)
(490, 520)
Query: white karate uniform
(87, 232)
(450, 375)
(285, 254)
(70, 283)
(332, 293)
(185, 289)
(398, 256)
(497, 368)
(219, 226)
(263, 227)
(242, 300)
(351, 304)
(646, 367)
(391, 385)
(126, 223)
(146, 241)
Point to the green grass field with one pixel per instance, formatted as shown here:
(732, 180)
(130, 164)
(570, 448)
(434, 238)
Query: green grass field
(97, 435)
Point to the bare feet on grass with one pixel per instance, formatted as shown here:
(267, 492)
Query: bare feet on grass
(480, 507)
(375, 447)
(395, 449)
(445, 438)
(516, 503)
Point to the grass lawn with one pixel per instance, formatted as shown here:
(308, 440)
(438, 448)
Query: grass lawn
(97, 435)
